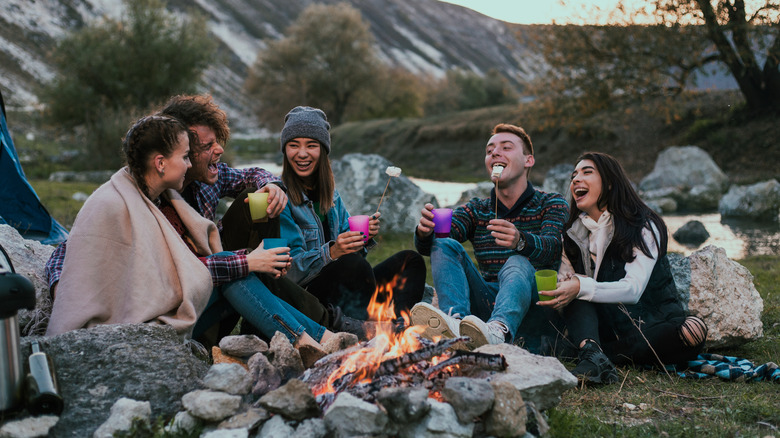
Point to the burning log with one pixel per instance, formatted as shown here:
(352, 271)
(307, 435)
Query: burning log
(488, 362)
(392, 366)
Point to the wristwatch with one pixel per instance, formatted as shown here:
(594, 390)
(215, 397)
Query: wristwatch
(520, 243)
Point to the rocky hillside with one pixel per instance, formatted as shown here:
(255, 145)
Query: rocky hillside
(423, 36)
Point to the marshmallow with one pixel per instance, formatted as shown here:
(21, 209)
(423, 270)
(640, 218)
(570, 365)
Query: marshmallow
(497, 171)
(393, 171)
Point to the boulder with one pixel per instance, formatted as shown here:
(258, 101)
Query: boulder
(723, 295)
(692, 233)
(29, 258)
(482, 190)
(361, 180)
(688, 175)
(96, 367)
(92, 176)
(760, 201)
(557, 179)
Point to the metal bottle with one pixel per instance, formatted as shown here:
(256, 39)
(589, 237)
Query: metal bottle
(16, 293)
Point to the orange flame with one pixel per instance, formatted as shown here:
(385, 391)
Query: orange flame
(386, 343)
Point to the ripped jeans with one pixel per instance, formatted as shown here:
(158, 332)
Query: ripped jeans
(265, 311)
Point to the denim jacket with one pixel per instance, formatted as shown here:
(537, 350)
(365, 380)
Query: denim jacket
(305, 236)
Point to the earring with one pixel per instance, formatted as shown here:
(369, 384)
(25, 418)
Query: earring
(162, 171)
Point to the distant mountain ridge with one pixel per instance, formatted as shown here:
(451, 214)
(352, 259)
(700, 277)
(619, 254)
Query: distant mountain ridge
(422, 36)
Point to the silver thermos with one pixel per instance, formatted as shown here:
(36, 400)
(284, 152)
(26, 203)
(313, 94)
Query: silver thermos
(16, 293)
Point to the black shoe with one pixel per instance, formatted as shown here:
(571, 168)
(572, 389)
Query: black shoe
(340, 322)
(594, 366)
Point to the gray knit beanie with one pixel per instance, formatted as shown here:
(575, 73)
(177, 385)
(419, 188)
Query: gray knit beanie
(306, 122)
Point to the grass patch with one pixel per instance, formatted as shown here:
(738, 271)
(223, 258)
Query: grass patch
(57, 197)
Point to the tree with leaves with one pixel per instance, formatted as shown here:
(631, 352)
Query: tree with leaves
(111, 71)
(326, 58)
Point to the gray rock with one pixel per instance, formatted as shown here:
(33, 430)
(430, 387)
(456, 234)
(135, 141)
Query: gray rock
(94, 176)
(211, 405)
(404, 404)
(226, 433)
(29, 258)
(441, 421)
(293, 400)
(228, 377)
(688, 175)
(508, 416)
(481, 191)
(693, 233)
(540, 379)
(276, 427)
(284, 357)
(350, 416)
(470, 397)
(681, 272)
(557, 179)
(123, 413)
(311, 428)
(661, 205)
(97, 366)
(30, 427)
(722, 293)
(264, 375)
(361, 180)
(250, 420)
(80, 197)
(183, 423)
(242, 345)
(760, 201)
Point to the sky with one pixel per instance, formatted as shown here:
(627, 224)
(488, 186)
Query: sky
(544, 11)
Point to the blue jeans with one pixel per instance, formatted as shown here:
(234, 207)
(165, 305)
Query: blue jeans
(265, 311)
(462, 290)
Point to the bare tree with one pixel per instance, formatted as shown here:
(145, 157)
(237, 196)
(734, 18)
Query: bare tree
(743, 38)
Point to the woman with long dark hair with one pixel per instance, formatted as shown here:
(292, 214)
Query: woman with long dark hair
(616, 292)
(327, 258)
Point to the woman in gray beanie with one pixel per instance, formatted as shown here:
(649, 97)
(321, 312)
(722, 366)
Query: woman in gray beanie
(327, 258)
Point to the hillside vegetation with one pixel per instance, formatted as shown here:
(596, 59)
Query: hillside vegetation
(450, 146)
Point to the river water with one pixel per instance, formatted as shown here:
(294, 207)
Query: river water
(739, 238)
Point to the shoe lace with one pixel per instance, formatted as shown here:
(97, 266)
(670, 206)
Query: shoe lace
(498, 329)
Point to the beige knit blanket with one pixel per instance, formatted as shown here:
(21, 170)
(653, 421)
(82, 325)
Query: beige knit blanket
(125, 263)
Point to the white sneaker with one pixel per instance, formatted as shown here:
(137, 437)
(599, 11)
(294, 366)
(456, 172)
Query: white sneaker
(482, 333)
(436, 322)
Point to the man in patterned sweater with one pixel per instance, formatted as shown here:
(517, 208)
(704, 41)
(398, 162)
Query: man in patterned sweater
(514, 233)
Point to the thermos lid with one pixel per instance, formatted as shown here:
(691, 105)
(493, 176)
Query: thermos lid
(16, 291)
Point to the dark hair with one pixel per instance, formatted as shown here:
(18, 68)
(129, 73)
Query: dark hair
(629, 213)
(148, 136)
(528, 147)
(199, 110)
(323, 181)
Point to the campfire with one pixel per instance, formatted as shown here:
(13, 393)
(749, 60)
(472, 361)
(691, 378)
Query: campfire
(393, 359)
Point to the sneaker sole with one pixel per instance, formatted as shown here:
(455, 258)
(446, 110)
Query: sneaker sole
(477, 339)
(424, 316)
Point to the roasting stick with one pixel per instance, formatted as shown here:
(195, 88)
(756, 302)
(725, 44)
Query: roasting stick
(496, 173)
(392, 172)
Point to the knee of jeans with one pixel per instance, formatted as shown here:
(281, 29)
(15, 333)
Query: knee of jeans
(517, 265)
(446, 246)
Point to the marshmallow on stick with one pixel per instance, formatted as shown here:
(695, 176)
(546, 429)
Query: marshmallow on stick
(496, 174)
(392, 172)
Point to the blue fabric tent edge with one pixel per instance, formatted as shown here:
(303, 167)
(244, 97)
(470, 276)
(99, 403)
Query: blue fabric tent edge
(20, 206)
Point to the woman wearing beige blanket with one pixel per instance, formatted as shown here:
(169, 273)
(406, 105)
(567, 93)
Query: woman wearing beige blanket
(138, 252)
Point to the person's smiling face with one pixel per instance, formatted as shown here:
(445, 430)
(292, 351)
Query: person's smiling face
(586, 186)
(205, 157)
(303, 155)
(506, 149)
(177, 164)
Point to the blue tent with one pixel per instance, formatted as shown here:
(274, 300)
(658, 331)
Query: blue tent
(20, 206)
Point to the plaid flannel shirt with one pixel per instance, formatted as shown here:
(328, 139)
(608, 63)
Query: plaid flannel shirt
(230, 183)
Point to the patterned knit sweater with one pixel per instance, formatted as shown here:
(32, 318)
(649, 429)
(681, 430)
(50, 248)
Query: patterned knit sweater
(540, 216)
